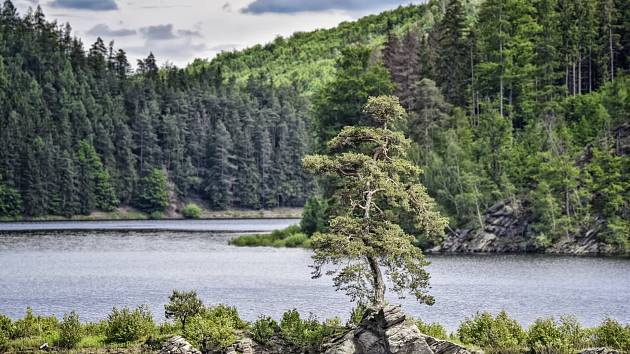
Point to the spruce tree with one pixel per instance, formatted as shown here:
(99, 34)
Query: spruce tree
(221, 169)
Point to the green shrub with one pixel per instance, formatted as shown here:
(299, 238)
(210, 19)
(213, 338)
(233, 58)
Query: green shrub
(289, 237)
(434, 330)
(295, 240)
(544, 336)
(501, 334)
(356, 315)
(156, 215)
(32, 326)
(6, 331)
(95, 329)
(215, 328)
(70, 332)
(612, 334)
(264, 329)
(306, 334)
(124, 326)
(192, 211)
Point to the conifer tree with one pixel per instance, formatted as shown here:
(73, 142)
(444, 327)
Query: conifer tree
(454, 67)
(221, 170)
(153, 192)
(374, 177)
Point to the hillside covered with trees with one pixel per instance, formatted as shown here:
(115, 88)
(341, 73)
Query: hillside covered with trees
(82, 130)
(526, 101)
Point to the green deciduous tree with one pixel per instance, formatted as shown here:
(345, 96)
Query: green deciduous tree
(374, 177)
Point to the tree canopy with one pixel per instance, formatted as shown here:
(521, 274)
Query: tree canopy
(373, 179)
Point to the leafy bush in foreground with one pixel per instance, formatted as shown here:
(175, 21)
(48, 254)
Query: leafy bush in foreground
(34, 325)
(264, 329)
(434, 330)
(308, 333)
(546, 335)
(612, 334)
(356, 315)
(125, 326)
(499, 334)
(214, 328)
(70, 331)
(6, 330)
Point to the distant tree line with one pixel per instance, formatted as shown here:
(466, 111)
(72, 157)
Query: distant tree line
(80, 132)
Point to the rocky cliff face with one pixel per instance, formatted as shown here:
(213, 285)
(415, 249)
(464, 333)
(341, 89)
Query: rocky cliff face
(506, 229)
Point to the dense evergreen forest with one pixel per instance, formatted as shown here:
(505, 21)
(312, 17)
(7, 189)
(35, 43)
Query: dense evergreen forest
(80, 132)
(524, 100)
(506, 99)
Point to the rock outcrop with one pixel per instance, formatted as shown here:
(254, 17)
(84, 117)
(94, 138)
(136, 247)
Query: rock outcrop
(178, 345)
(599, 351)
(507, 229)
(389, 331)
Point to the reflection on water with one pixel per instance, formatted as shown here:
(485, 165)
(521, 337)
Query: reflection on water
(91, 272)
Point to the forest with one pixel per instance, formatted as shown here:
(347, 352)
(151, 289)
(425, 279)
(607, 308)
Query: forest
(506, 99)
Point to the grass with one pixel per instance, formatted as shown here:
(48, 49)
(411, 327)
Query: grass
(291, 237)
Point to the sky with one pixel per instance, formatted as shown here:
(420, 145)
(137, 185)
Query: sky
(178, 31)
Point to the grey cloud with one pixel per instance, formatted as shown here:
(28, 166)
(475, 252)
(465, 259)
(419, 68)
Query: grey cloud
(226, 7)
(189, 33)
(104, 30)
(158, 32)
(94, 5)
(295, 6)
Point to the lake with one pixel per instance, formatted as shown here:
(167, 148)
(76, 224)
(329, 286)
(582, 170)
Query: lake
(92, 271)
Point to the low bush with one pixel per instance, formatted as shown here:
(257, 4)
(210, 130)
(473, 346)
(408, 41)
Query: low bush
(215, 328)
(6, 331)
(156, 215)
(612, 334)
(356, 315)
(548, 336)
(295, 240)
(34, 325)
(499, 334)
(264, 329)
(124, 326)
(95, 329)
(191, 211)
(289, 237)
(434, 330)
(307, 334)
(70, 331)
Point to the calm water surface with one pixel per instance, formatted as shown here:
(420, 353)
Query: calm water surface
(225, 225)
(93, 271)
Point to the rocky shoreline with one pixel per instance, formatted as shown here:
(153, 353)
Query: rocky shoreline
(507, 229)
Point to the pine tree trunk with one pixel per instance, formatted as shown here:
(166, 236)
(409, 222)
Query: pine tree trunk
(612, 52)
(379, 284)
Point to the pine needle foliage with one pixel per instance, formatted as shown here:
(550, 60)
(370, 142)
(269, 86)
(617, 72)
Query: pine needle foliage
(374, 179)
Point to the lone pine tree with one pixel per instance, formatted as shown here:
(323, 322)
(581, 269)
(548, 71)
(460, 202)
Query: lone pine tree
(373, 180)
